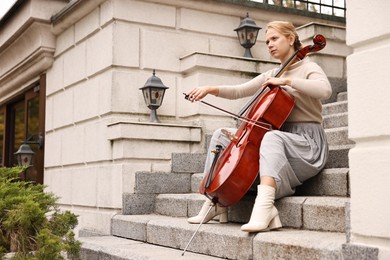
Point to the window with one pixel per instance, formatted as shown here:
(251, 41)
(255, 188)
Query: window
(328, 7)
(21, 119)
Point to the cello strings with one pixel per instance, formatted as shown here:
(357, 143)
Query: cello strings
(266, 126)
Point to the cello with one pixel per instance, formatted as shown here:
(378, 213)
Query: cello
(235, 168)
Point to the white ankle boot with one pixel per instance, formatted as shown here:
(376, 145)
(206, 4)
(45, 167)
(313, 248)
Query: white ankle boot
(215, 211)
(264, 214)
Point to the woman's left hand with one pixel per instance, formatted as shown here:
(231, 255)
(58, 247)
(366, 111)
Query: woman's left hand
(277, 82)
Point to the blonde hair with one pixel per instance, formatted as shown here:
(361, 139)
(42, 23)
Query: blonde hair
(287, 29)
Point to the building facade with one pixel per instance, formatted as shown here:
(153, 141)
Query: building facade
(71, 73)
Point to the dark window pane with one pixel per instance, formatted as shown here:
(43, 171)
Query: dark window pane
(2, 132)
(33, 117)
(17, 121)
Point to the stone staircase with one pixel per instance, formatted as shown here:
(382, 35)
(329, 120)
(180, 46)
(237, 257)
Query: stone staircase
(314, 219)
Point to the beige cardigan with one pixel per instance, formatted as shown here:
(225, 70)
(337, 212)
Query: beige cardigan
(309, 86)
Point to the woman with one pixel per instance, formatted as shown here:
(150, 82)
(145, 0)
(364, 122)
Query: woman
(291, 155)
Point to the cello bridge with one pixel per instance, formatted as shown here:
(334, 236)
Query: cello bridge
(229, 135)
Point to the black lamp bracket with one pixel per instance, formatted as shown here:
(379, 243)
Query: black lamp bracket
(38, 140)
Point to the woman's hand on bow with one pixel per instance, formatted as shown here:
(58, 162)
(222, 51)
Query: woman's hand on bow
(200, 92)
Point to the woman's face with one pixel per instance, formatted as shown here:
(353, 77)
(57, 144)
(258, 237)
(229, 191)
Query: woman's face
(279, 46)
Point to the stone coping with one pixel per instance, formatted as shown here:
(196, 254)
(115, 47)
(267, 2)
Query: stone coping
(154, 131)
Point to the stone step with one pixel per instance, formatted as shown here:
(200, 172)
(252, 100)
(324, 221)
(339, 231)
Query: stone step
(116, 248)
(148, 184)
(227, 240)
(336, 120)
(329, 182)
(304, 212)
(342, 96)
(335, 108)
(338, 136)
(188, 162)
(162, 182)
(338, 156)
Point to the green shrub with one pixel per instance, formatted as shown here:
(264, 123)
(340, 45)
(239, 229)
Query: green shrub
(31, 224)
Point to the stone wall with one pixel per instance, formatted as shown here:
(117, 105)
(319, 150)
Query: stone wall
(368, 106)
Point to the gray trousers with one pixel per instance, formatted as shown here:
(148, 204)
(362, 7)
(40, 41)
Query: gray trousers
(291, 155)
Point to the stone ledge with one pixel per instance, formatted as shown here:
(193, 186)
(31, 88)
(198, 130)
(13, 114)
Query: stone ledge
(154, 131)
(198, 60)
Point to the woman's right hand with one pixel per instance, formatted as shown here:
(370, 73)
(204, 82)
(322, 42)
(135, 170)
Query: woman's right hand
(200, 92)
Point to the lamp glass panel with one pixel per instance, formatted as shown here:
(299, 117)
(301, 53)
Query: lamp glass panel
(24, 159)
(156, 96)
(146, 93)
(241, 33)
(252, 35)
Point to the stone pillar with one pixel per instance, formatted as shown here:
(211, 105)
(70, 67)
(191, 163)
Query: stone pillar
(368, 33)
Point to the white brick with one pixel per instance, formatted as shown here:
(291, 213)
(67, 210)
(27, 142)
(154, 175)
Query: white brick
(376, 24)
(86, 100)
(208, 22)
(84, 186)
(143, 12)
(163, 50)
(106, 12)
(55, 76)
(97, 147)
(65, 40)
(228, 46)
(109, 186)
(87, 25)
(73, 145)
(232, 47)
(63, 108)
(125, 93)
(333, 66)
(94, 219)
(126, 44)
(53, 143)
(99, 50)
(60, 183)
(105, 82)
(75, 64)
(161, 167)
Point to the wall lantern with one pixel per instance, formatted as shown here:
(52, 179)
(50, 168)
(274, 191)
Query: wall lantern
(24, 154)
(247, 33)
(153, 92)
